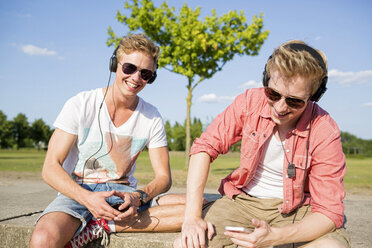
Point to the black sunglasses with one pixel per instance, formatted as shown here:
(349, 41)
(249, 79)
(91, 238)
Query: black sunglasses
(274, 96)
(129, 68)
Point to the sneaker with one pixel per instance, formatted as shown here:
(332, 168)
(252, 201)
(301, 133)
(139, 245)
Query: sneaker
(95, 229)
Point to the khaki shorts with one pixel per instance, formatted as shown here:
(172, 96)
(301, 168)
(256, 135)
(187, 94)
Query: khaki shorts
(225, 212)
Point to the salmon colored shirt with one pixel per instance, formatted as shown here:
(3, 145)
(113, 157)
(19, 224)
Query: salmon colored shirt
(248, 119)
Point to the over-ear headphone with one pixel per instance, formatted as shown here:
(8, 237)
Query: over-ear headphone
(302, 47)
(113, 65)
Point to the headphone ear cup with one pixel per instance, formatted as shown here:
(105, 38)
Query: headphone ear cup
(265, 78)
(321, 90)
(113, 63)
(151, 80)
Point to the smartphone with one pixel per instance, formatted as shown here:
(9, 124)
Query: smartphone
(236, 229)
(117, 205)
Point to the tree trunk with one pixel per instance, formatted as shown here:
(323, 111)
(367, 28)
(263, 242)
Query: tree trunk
(188, 124)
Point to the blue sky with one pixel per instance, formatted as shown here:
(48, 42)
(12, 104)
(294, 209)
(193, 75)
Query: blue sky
(51, 50)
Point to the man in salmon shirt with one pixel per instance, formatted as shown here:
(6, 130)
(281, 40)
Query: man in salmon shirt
(288, 188)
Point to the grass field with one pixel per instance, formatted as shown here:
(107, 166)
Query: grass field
(358, 176)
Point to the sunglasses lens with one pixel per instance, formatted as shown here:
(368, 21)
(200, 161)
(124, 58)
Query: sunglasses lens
(294, 103)
(146, 74)
(129, 68)
(272, 95)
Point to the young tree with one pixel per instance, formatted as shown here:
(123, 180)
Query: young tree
(190, 46)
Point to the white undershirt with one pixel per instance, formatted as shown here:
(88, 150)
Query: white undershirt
(268, 179)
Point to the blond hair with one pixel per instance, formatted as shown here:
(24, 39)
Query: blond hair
(138, 42)
(291, 63)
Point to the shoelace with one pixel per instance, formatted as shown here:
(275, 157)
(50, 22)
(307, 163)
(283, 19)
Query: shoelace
(105, 237)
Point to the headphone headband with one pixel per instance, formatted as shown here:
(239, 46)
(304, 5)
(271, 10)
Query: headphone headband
(302, 47)
(312, 51)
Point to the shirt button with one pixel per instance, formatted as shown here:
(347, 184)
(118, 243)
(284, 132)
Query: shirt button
(264, 135)
(253, 134)
(286, 201)
(287, 150)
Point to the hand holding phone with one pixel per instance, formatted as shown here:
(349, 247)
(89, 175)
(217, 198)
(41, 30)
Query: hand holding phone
(118, 204)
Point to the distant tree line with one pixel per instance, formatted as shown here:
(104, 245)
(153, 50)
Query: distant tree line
(19, 133)
(353, 145)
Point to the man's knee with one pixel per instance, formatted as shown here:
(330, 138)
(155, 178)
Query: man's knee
(42, 237)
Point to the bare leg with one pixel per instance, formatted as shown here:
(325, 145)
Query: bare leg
(54, 230)
(174, 199)
(167, 218)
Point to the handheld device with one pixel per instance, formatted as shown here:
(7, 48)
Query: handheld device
(117, 205)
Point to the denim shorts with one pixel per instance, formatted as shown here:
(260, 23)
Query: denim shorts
(67, 205)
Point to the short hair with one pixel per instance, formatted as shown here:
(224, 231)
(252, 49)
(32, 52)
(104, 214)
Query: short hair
(292, 63)
(138, 42)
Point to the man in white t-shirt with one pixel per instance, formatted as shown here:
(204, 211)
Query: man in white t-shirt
(92, 156)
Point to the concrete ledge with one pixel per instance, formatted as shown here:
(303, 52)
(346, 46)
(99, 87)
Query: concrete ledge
(19, 236)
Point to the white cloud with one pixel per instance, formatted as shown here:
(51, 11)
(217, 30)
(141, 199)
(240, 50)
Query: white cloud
(350, 77)
(368, 104)
(34, 50)
(250, 84)
(213, 98)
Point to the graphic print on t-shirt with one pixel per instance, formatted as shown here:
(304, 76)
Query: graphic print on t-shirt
(114, 160)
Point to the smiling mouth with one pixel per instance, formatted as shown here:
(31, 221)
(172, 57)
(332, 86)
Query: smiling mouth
(281, 115)
(134, 86)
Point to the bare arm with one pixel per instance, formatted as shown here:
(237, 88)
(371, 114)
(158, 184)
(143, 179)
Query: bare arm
(159, 158)
(194, 227)
(309, 228)
(54, 174)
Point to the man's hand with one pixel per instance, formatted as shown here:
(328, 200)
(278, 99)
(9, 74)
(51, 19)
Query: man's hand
(97, 205)
(131, 201)
(260, 237)
(194, 233)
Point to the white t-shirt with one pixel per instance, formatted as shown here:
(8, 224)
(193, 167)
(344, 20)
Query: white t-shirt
(268, 179)
(102, 151)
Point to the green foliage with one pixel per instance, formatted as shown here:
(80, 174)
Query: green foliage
(354, 146)
(20, 130)
(168, 131)
(191, 46)
(18, 133)
(176, 136)
(40, 133)
(6, 137)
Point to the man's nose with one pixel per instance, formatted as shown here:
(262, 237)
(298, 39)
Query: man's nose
(281, 106)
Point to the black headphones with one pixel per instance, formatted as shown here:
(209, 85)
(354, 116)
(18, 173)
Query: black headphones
(302, 47)
(114, 65)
